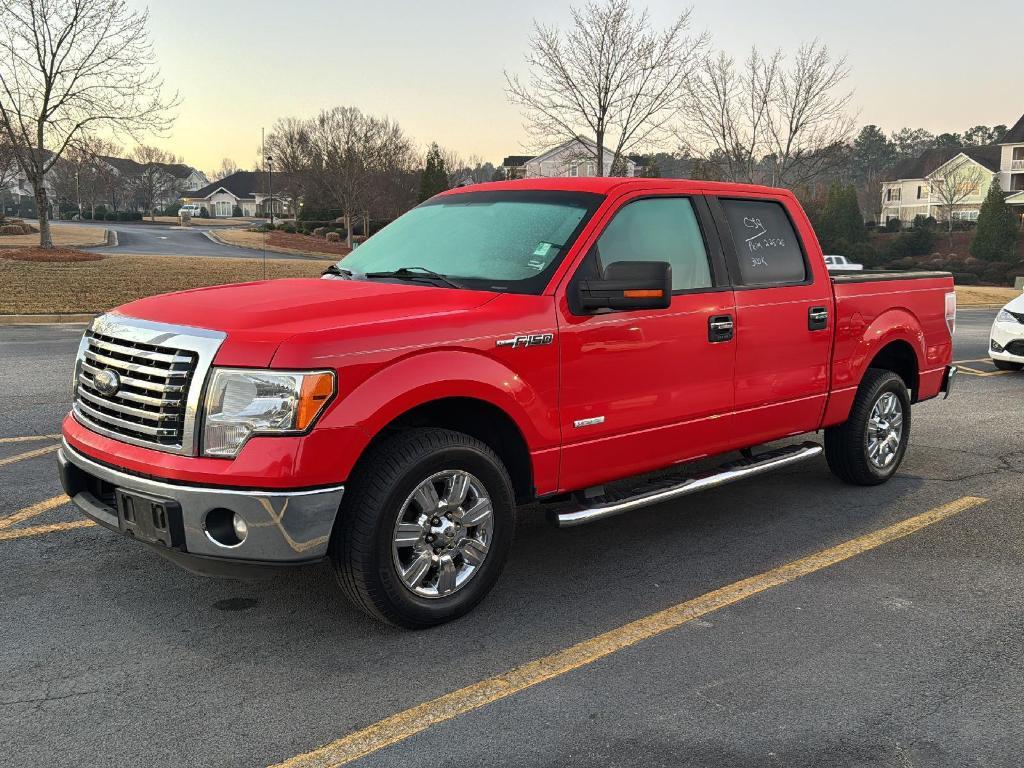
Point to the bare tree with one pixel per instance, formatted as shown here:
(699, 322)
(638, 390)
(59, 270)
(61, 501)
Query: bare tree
(356, 159)
(768, 121)
(289, 143)
(69, 67)
(227, 167)
(951, 186)
(154, 183)
(609, 77)
(9, 171)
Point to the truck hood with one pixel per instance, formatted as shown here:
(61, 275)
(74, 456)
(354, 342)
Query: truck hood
(258, 317)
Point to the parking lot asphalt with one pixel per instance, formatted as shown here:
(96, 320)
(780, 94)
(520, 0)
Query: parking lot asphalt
(908, 652)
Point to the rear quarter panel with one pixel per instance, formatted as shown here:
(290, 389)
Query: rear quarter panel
(872, 314)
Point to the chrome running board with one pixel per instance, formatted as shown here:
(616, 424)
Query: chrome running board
(736, 470)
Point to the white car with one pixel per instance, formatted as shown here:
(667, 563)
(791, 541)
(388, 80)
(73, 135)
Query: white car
(191, 209)
(842, 264)
(1006, 343)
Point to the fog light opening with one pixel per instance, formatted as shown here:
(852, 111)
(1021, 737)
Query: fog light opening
(225, 528)
(240, 526)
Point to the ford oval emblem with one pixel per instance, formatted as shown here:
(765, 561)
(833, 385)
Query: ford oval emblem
(107, 382)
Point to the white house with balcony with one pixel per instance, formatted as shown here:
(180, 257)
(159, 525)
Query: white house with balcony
(914, 190)
(1011, 166)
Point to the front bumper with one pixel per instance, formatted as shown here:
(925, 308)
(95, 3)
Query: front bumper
(284, 527)
(1007, 342)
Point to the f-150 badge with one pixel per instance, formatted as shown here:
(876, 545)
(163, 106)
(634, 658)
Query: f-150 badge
(533, 340)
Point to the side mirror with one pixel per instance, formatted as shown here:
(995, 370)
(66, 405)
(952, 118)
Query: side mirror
(629, 285)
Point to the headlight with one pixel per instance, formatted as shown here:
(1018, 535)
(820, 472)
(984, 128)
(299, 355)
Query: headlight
(1005, 316)
(242, 402)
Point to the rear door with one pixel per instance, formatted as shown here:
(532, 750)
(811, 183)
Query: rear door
(643, 389)
(784, 316)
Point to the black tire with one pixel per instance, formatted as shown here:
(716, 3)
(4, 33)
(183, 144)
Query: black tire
(1006, 365)
(846, 445)
(361, 545)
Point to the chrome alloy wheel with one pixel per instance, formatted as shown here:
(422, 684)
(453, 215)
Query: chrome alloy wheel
(443, 533)
(885, 430)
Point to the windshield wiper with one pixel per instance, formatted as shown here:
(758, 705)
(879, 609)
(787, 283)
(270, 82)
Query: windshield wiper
(416, 273)
(334, 269)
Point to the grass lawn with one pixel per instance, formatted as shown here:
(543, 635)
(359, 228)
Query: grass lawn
(95, 286)
(68, 235)
(281, 242)
(980, 295)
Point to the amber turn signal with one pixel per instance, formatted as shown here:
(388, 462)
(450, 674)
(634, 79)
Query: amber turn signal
(643, 294)
(317, 389)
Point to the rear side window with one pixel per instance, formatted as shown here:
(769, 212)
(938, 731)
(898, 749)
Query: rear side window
(766, 244)
(658, 229)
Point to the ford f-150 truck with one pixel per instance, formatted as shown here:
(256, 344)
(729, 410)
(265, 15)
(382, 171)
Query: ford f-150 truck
(567, 343)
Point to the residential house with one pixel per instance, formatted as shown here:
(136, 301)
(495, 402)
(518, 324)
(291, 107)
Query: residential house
(913, 190)
(248, 191)
(1011, 166)
(577, 157)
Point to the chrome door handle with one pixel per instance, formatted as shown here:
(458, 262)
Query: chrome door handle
(720, 328)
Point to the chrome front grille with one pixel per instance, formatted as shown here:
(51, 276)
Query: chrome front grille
(149, 404)
(159, 376)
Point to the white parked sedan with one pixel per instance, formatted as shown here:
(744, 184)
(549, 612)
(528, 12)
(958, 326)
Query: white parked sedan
(1006, 345)
(842, 264)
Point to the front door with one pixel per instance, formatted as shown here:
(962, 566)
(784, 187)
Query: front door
(643, 389)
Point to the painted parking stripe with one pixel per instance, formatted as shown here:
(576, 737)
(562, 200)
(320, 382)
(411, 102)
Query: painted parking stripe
(408, 723)
(28, 455)
(41, 530)
(27, 438)
(36, 509)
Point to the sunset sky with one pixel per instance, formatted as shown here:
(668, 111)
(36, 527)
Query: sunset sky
(436, 67)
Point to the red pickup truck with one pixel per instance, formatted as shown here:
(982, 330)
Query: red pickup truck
(572, 343)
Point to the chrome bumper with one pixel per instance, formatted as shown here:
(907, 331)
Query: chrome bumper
(284, 527)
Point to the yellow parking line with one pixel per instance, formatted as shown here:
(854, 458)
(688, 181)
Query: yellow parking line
(39, 530)
(405, 724)
(29, 512)
(28, 455)
(981, 374)
(27, 438)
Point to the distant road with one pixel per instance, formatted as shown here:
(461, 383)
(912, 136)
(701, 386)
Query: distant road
(167, 240)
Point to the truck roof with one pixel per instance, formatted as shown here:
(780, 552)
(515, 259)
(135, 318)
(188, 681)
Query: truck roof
(603, 185)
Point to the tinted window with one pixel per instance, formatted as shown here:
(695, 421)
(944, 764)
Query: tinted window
(766, 245)
(658, 229)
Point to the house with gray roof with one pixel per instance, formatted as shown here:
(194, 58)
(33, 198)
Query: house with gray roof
(913, 187)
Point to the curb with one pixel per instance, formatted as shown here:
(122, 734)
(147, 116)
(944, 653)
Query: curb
(48, 319)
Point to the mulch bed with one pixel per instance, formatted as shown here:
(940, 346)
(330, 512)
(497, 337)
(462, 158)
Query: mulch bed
(48, 255)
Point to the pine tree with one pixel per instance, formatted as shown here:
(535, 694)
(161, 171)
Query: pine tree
(995, 238)
(434, 178)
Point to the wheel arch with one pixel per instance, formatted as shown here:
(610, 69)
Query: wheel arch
(475, 417)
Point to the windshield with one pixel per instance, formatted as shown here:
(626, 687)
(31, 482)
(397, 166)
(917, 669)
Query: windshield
(502, 241)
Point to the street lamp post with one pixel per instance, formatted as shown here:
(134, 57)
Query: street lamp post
(270, 185)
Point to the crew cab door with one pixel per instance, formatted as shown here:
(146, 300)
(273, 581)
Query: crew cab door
(784, 315)
(642, 389)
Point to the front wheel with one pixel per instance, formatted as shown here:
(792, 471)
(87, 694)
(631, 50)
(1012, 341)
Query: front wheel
(869, 447)
(1007, 365)
(425, 528)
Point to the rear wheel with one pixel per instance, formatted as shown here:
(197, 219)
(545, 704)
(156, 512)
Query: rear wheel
(425, 528)
(869, 447)
(1006, 365)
